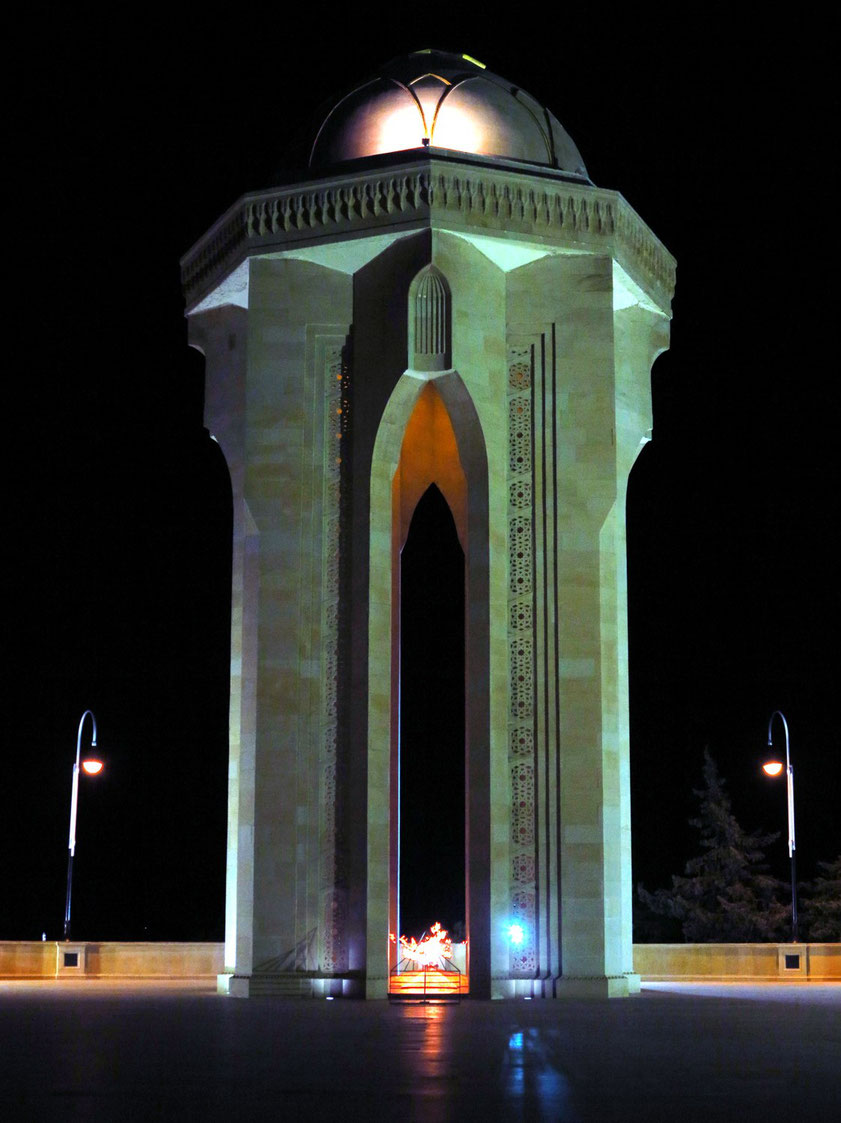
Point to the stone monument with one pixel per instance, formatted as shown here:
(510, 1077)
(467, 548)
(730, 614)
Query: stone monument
(444, 297)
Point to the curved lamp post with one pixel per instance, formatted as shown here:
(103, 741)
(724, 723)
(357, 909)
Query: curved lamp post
(91, 767)
(775, 768)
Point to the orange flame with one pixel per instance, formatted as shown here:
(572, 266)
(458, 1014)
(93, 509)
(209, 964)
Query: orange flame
(427, 952)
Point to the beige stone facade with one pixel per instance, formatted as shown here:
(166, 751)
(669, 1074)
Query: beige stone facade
(429, 317)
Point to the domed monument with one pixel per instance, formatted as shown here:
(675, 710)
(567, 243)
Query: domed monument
(444, 299)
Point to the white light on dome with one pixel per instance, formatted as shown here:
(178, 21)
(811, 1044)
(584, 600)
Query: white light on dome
(458, 130)
(403, 127)
(400, 128)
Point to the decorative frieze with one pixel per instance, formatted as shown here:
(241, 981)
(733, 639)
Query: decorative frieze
(477, 197)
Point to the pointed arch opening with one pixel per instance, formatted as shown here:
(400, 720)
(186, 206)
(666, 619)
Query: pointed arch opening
(431, 451)
(430, 501)
(430, 493)
(431, 846)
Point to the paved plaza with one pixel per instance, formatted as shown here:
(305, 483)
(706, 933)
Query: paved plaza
(89, 1050)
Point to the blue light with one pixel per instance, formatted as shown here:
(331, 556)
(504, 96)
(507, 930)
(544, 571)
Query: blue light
(516, 934)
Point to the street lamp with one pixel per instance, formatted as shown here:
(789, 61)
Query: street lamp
(774, 768)
(91, 767)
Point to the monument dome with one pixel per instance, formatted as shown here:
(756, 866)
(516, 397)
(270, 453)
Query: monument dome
(445, 101)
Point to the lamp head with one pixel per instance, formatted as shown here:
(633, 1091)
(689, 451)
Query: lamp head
(92, 767)
(773, 767)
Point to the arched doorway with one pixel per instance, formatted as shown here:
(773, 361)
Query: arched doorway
(441, 443)
(431, 859)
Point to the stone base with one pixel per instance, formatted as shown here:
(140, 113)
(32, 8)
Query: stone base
(613, 986)
(293, 985)
(234, 985)
(634, 982)
(376, 988)
(282, 985)
(517, 988)
(524, 988)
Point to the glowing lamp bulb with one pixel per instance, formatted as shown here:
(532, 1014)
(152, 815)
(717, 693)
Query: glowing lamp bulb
(516, 934)
(92, 767)
(772, 768)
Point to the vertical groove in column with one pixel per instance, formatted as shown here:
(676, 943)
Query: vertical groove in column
(332, 939)
(540, 862)
(556, 661)
(538, 865)
(546, 679)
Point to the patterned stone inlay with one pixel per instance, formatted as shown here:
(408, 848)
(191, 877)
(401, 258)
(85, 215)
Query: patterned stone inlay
(522, 803)
(521, 741)
(519, 435)
(519, 495)
(520, 615)
(334, 928)
(519, 555)
(523, 958)
(521, 688)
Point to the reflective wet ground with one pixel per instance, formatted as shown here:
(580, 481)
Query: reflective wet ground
(83, 1050)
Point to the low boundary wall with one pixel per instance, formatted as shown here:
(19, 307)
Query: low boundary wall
(20, 959)
(723, 962)
(36, 959)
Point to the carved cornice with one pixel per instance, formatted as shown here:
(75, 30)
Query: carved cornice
(445, 193)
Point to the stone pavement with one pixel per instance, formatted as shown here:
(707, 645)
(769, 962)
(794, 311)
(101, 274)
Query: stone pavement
(89, 1050)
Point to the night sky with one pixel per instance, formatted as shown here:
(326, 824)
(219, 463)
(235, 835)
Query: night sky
(125, 148)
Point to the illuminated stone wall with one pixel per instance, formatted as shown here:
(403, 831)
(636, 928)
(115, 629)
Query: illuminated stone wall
(554, 299)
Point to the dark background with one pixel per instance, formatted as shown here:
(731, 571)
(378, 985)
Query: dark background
(127, 141)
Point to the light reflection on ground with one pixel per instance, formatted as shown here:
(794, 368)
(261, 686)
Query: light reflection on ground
(522, 1078)
(691, 1053)
(532, 1083)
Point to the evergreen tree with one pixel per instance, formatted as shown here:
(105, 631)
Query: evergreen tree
(726, 894)
(823, 903)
